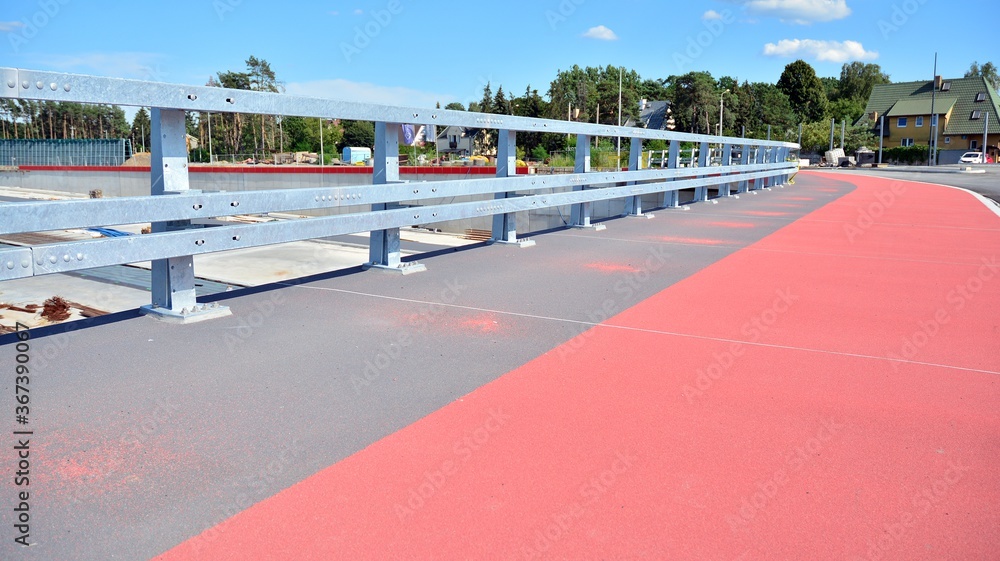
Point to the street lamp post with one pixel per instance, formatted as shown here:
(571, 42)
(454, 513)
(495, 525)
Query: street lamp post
(722, 98)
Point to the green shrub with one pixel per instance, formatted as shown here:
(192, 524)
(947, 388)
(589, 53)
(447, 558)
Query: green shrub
(906, 155)
(538, 153)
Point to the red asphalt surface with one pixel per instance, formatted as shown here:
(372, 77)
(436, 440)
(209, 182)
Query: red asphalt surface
(831, 392)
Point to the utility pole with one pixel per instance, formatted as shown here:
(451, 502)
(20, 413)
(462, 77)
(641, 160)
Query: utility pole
(986, 130)
(620, 69)
(931, 157)
(833, 126)
(597, 121)
(881, 138)
(322, 155)
(800, 136)
(722, 97)
(209, 138)
(843, 132)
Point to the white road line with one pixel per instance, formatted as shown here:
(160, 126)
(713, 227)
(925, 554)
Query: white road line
(641, 330)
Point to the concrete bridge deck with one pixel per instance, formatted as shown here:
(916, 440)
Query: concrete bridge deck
(808, 372)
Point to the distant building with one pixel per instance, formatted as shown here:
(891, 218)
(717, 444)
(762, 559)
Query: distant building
(961, 105)
(654, 115)
(456, 140)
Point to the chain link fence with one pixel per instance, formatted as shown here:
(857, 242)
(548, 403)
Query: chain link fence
(90, 152)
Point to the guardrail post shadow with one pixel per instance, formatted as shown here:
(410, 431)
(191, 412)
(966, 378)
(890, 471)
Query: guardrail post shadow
(172, 289)
(670, 198)
(727, 160)
(505, 225)
(580, 214)
(633, 204)
(384, 245)
(704, 155)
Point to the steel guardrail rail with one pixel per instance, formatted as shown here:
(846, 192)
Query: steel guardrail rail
(172, 205)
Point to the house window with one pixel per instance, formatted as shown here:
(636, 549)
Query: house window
(946, 86)
(973, 145)
(981, 96)
(934, 120)
(906, 142)
(947, 140)
(976, 115)
(919, 122)
(901, 122)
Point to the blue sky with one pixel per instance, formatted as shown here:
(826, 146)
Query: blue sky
(417, 53)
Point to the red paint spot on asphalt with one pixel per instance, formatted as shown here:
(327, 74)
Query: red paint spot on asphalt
(452, 320)
(800, 198)
(788, 205)
(764, 213)
(697, 241)
(482, 323)
(605, 267)
(83, 467)
(738, 225)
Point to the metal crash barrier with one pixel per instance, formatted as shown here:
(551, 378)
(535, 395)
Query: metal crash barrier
(171, 205)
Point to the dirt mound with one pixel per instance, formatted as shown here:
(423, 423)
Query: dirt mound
(139, 159)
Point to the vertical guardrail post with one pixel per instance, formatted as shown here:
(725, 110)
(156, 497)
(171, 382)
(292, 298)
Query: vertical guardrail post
(768, 181)
(727, 160)
(760, 157)
(670, 198)
(384, 246)
(580, 214)
(785, 154)
(505, 225)
(172, 288)
(704, 155)
(633, 204)
(744, 185)
(781, 156)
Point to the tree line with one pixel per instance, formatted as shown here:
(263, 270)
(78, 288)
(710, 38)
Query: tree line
(591, 94)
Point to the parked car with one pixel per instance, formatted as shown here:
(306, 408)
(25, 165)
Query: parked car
(975, 158)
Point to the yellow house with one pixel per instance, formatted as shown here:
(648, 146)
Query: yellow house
(963, 106)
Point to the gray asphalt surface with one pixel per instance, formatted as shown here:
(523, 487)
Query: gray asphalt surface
(146, 433)
(986, 184)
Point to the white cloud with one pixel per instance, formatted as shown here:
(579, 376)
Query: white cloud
(802, 12)
(346, 90)
(601, 33)
(10, 25)
(822, 51)
(710, 15)
(143, 66)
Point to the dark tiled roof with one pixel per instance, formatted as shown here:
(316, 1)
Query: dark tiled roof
(963, 90)
(654, 116)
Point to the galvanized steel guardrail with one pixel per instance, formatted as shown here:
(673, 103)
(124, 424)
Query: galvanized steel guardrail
(172, 206)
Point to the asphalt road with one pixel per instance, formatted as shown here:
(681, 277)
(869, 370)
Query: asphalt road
(986, 184)
(154, 433)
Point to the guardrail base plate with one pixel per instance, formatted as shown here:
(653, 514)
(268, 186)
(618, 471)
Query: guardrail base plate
(402, 268)
(187, 315)
(518, 243)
